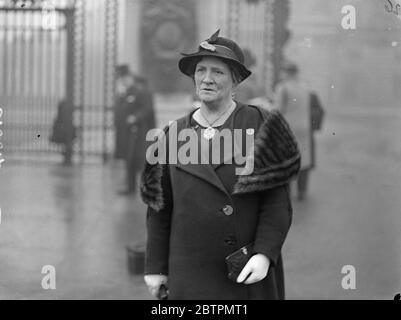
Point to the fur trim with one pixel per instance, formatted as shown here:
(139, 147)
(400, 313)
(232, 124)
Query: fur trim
(151, 189)
(151, 186)
(276, 156)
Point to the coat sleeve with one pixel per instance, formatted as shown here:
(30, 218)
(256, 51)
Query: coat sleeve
(158, 223)
(274, 222)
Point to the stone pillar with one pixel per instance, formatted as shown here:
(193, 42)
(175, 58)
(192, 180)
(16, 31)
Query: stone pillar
(168, 27)
(129, 33)
(281, 35)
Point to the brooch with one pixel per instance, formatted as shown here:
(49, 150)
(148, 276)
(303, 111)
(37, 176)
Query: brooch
(250, 131)
(207, 46)
(209, 133)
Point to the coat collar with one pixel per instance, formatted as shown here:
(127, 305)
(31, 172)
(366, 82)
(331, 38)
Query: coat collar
(205, 172)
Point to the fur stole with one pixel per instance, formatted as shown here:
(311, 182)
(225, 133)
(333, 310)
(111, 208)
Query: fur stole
(276, 157)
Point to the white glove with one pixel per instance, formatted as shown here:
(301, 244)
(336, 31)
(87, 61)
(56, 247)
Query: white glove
(154, 281)
(257, 268)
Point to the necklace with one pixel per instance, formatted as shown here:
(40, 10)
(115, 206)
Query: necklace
(209, 132)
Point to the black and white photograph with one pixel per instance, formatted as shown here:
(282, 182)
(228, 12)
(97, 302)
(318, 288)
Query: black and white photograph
(200, 150)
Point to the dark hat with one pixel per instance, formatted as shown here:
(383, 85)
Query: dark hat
(249, 58)
(219, 47)
(122, 70)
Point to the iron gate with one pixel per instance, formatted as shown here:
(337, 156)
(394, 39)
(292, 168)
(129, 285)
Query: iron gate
(260, 25)
(53, 50)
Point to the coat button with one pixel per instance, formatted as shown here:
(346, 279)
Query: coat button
(228, 210)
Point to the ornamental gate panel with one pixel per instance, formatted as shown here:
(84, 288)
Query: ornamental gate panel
(53, 50)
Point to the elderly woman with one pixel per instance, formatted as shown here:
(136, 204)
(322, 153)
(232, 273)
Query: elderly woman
(201, 213)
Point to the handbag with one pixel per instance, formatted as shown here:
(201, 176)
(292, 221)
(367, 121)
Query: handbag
(237, 260)
(163, 293)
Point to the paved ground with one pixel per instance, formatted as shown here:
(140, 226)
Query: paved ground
(71, 218)
(353, 214)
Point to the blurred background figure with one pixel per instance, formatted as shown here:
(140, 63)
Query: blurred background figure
(142, 84)
(317, 117)
(133, 118)
(251, 92)
(124, 80)
(63, 131)
(293, 100)
(141, 118)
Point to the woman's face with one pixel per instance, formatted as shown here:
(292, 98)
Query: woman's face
(213, 80)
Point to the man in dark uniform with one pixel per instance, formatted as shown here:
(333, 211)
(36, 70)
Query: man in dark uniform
(123, 76)
(137, 105)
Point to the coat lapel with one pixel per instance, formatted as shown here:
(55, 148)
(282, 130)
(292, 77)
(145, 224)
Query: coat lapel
(204, 172)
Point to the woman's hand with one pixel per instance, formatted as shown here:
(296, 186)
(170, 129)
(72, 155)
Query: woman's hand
(154, 281)
(257, 268)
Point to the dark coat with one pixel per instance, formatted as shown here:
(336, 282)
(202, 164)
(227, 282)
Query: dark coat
(131, 138)
(63, 131)
(190, 234)
(120, 123)
(317, 116)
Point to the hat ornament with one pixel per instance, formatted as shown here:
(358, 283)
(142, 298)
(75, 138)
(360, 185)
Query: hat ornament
(207, 44)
